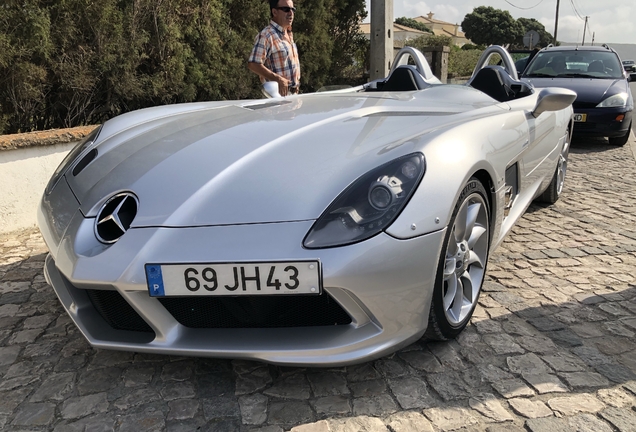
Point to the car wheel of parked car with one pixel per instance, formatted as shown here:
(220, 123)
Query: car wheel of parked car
(553, 192)
(621, 140)
(462, 264)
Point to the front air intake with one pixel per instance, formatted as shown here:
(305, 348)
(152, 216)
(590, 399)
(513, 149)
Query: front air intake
(116, 311)
(256, 311)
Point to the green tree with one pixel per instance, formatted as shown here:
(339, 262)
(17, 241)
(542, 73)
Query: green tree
(528, 24)
(71, 62)
(25, 47)
(469, 47)
(410, 22)
(328, 39)
(350, 47)
(486, 25)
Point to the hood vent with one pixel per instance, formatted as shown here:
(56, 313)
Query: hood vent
(267, 105)
(88, 158)
(409, 114)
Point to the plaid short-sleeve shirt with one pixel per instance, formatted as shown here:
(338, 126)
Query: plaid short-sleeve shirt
(277, 54)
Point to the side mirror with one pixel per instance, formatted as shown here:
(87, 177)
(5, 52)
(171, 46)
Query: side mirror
(553, 99)
(270, 89)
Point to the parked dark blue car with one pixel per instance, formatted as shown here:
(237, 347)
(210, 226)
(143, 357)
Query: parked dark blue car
(604, 102)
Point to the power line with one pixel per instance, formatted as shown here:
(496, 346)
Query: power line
(518, 7)
(576, 11)
(575, 5)
(585, 18)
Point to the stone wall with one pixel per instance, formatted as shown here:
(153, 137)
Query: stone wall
(27, 161)
(44, 138)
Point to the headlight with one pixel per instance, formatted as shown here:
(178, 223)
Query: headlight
(70, 158)
(617, 101)
(368, 205)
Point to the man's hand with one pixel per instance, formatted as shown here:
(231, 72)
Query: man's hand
(268, 75)
(283, 85)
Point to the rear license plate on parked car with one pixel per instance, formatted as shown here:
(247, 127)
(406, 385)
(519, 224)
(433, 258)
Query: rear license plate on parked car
(234, 279)
(580, 117)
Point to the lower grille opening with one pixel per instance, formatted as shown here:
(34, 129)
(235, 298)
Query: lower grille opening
(117, 312)
(585, 125)
(256, 312)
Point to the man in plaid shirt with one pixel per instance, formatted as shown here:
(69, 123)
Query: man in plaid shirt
(275, 56)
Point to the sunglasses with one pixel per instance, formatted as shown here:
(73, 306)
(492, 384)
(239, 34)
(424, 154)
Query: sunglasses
(286, 9)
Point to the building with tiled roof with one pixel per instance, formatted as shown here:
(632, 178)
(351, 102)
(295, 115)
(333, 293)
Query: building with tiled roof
(443, 28)
(400, 32)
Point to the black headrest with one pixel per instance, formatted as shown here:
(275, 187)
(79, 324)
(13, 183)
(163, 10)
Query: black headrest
(596, 66)
(495, 82)
(404, 78)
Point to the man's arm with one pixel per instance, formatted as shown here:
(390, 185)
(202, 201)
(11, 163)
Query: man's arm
(260, 70)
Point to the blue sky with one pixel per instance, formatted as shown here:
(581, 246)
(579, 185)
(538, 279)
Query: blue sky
(611, 21)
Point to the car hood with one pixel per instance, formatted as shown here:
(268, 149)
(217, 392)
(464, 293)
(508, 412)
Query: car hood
(588, 90)
(260, 161)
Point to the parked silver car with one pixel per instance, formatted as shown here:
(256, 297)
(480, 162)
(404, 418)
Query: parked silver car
(317, 229)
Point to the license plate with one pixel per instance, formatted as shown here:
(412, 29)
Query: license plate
(234, 279)
(580, 117)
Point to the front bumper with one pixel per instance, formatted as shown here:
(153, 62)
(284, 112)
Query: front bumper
(384, 284)
(601, 122)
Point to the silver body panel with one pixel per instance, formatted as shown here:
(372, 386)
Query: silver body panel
(246, 180)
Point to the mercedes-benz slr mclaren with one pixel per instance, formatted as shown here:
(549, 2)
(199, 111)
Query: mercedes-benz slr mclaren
(318, 229)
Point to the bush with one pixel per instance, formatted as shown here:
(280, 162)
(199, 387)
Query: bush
(462, 62)
(66, 63)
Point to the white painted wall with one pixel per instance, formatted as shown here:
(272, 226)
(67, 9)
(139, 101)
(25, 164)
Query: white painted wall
(24, 173)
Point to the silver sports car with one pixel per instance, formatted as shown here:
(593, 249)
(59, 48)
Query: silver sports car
(318, 229)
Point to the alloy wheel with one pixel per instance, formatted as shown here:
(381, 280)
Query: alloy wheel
(466, 255)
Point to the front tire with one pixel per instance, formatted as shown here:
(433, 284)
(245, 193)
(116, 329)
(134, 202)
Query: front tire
(621, 140)
(462, 265)
(553, 192)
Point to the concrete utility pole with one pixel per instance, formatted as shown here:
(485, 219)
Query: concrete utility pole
(381, 38)
(556, 23)
(584, 27)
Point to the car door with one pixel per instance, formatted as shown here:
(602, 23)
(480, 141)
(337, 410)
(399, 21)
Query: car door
(538, 144)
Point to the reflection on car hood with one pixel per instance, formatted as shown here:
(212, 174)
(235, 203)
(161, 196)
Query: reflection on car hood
(587, 90)
(260, 161)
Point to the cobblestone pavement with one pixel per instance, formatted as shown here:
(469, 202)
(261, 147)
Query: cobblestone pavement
(551, 347)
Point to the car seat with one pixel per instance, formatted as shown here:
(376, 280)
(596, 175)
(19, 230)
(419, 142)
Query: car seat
(495, 82)
(558, 64)
(596, 66)
(404, 78)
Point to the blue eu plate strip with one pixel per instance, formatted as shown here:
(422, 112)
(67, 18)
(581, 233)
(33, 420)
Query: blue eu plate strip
(155, 280)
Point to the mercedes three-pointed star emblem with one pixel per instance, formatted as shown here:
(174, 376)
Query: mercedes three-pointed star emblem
(115, 217)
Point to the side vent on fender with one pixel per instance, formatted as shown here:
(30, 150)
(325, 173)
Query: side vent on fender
(512, 187)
